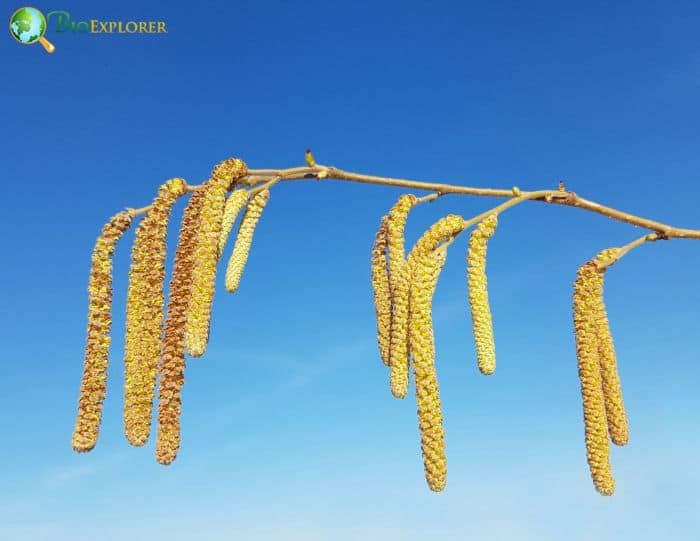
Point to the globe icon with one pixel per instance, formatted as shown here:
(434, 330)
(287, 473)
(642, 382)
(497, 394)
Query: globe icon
(28, 25)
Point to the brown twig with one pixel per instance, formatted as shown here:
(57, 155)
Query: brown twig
(620, 252)
(259, 178)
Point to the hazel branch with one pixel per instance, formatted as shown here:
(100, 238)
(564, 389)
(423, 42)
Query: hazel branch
(257, 178)
(403, 287)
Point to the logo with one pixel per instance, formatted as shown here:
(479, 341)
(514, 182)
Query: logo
(28, 25)
(64, 23)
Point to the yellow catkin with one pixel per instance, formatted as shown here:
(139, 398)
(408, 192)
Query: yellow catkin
(144, 316)
(172, 366)
(396, 256)
(396, 224)
(478, 294)
(399, 354)
(596, 428)
(207, 254)
(380, 288)
(234, 204)
(93, 386)
(618, 426)
(244, 240)
(425, 272)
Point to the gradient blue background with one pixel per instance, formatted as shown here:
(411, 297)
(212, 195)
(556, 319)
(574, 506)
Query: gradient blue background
(289, 430)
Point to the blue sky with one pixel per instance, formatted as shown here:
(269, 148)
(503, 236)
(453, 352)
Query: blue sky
(289, 429)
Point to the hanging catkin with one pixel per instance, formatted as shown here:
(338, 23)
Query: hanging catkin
(478, 294)
(144, 316)
(172, 367)
(380, 289)
(396, 224)
(244, 240)
(440, 231)
(93, 386)
(586, 290)
(426, 271)
(234, 204)
(618, 427)
(207, 254)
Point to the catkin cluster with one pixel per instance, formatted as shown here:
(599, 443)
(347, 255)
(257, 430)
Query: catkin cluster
(207, 254)
(616, 415)
(425, 273)
(587, 290)
(244, 240)
(603, 405)
(152, 347)
(478, 294)
(172, 367)
(93, 386)
(440, 231)
(144, 317)
(403, 296)
(381, 291)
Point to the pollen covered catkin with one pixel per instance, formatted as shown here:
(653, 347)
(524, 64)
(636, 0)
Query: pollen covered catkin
(396, 256)
(172, 367)
(93, 386)
(426, 271)
(234, 204)
(478, 294)
(440, 231)
(380, 288)
(244, 240)
(618, 426)
(144, 316)
(586, 289)
(396, 225)
(207, 254)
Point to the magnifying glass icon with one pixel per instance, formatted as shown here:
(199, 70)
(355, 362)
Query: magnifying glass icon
(28, 25)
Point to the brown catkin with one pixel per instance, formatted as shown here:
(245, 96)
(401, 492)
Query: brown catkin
(380, 288)
(172, 364)
(234, 204)
(244, 240)
(479, 296)
(425, 273)
(596, 429)
(93, 386)
(207, 254)
(440, 231)
(618, 426)
(144, 316)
